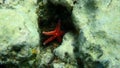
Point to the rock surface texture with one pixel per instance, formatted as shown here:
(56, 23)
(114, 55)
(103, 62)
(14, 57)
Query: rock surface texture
(18, 32)
(94, 43)
(98, 24)
(65, 50)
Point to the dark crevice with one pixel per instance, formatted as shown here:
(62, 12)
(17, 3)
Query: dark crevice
(49, 15)
(9, 65)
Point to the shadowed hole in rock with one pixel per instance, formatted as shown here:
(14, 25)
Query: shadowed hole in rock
(17, 48)
(49, 14)
(48, 19)
(9, 65)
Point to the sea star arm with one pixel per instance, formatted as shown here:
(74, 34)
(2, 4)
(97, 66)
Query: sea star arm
(49, 40)
(48, 33)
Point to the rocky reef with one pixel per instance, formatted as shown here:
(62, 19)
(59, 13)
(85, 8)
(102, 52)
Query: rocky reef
(91, 33)
(19, 37)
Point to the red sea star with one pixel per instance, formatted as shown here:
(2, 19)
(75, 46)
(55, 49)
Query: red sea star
(56, 34)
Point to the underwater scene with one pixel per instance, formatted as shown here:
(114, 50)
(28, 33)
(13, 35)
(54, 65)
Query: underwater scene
(59, 33)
